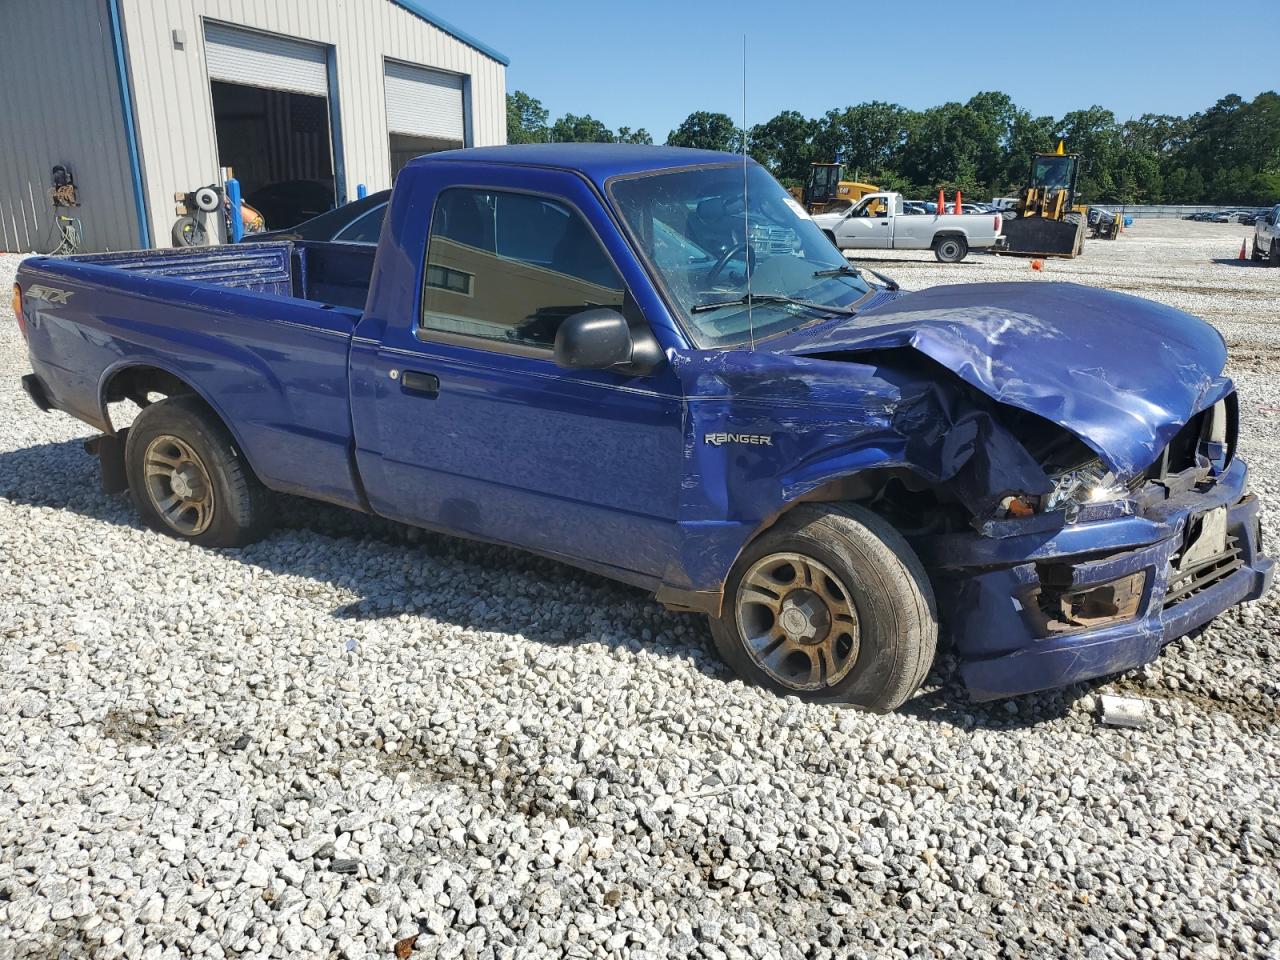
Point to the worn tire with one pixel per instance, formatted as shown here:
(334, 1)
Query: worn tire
(896, 615)
(950, 249)
(1255, 253)
(239, 504)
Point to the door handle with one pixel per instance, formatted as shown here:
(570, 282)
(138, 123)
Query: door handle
(426, 384)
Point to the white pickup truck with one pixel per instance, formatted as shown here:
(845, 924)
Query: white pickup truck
(876, 222)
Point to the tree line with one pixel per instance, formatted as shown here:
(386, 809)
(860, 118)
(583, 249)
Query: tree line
(1229, 153)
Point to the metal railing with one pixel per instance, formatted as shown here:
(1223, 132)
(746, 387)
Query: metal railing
(1170, 211)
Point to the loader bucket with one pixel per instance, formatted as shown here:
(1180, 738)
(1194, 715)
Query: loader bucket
(1041, 237)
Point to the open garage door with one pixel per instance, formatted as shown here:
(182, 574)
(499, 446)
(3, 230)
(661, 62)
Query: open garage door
(425, 112)
(265, 60)
(271, 113)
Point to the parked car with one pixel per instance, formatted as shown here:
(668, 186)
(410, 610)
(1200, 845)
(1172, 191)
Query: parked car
(571, 348)
(1266, 237)
(880, 221)
(1219, 217)
(289, 202)
(359, 221)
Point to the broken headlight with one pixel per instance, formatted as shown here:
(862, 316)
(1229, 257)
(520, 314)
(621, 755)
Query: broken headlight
(1091, 482)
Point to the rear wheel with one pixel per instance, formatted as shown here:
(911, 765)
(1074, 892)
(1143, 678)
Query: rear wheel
(831, 605)
(187, 478)
(950, 249)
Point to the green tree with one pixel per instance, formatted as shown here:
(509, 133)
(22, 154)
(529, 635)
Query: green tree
(1230, 153)
(572, 128)
(526, 119)
(867, 138)
(627, 135)
(784, 145)
(707, 131)
(1095, 135)
(1027, 135)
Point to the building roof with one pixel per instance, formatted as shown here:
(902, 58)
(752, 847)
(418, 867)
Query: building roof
(597, 161)
(418, 10)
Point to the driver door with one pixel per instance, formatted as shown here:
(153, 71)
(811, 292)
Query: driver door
(867, 226)
(478, 430)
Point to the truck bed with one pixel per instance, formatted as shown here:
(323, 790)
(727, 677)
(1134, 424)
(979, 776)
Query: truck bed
(332, 273)
(260, 331)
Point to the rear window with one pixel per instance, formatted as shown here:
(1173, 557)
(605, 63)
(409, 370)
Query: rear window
(365, 229)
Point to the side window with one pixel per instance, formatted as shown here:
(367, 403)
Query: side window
(365, 228)
(510, 267)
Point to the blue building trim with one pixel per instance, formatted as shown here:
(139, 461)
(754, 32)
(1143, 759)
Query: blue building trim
(335, 127)
(418, 10)
(130, 127)
(467, 139)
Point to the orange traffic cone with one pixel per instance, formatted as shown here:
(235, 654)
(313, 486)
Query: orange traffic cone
(1037, 264)
(959, 208)
(942, 203)
(1242, 254)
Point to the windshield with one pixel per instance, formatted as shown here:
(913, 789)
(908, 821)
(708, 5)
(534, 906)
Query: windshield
(1053, 173)
(689, 224)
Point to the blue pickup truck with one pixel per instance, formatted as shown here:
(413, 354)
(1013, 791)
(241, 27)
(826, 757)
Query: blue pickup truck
(650, 363)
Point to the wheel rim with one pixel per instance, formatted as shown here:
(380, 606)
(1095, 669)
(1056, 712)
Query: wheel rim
(797, 621)
(178, 485)
(949, 249)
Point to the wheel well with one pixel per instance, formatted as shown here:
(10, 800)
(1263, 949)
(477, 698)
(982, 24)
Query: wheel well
(948, 235)
(139, 385)
(912, 504)
(907, 501)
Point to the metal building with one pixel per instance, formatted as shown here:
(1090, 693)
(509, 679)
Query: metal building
(303, 99)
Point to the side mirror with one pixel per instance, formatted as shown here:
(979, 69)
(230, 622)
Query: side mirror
(601, 339)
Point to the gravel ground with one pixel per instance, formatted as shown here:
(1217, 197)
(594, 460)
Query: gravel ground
(352, 733)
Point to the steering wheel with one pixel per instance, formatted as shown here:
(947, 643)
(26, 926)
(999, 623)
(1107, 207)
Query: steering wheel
(728, 255)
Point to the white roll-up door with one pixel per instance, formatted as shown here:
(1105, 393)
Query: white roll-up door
(424, 103)
(265, 60)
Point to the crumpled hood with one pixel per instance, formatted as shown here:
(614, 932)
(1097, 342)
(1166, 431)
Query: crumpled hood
(1119, 372)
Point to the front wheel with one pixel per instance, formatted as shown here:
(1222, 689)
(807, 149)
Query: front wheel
(187, 478)
(830, 605)
(951, 249)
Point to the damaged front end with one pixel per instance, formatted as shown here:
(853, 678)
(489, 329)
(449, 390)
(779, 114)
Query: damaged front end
(1106, 568)
(1076, 505)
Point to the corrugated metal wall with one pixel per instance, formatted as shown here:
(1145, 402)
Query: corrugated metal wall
(59, 103)
(174, 107)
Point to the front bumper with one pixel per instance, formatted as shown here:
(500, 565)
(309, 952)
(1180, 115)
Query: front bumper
(987, 590)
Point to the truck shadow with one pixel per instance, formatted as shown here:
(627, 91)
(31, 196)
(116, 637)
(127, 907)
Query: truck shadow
(1237, 262)
(396, 571)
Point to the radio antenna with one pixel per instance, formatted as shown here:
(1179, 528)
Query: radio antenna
(746, 219)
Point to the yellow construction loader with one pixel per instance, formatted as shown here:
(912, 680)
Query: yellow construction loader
(1047, 222)
(826, 192)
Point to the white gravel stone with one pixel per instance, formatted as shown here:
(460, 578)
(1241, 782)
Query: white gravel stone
(516, 759)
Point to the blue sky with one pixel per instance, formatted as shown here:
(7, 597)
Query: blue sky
(650, 64)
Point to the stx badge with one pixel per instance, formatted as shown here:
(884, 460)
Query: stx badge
(755, 439)
(48, 294)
